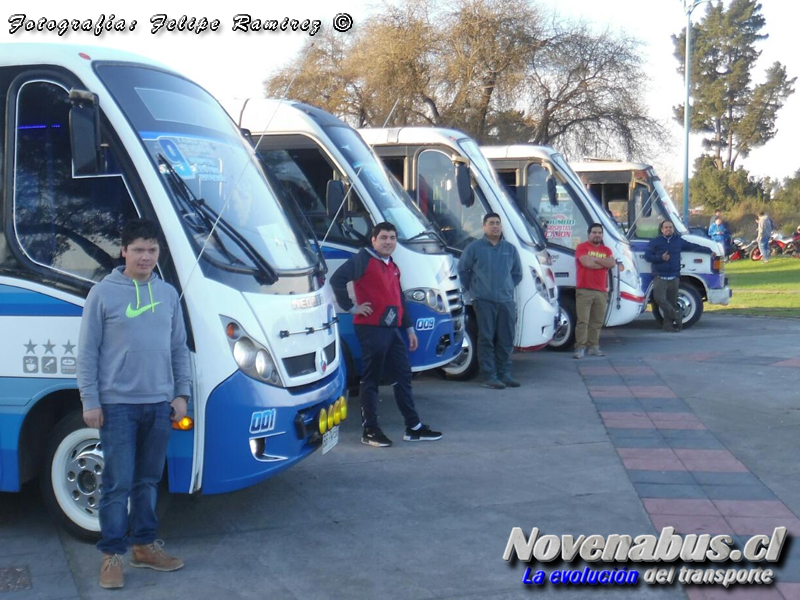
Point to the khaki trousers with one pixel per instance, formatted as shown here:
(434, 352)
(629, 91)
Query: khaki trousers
(590, 306)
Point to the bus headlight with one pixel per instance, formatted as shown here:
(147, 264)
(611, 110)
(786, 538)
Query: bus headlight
(541, 288)
(343, 407)
(264, 365)
(430, 297)
(323, 421)
(252, 358)
(244, 352)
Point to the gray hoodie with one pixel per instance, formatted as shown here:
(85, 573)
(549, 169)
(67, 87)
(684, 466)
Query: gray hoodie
(132, 347)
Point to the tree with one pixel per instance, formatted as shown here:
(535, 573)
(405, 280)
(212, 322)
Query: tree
(736, 114)
(499, 70)
(585, 90)
(724, 188)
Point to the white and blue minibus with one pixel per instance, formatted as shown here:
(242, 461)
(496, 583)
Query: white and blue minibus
(92, 138)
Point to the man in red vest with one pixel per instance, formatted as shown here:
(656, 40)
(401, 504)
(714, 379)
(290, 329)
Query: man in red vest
(379, 314)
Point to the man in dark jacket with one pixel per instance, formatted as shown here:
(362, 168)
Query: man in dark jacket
(664, 252)
(379, 313)
(490, 269)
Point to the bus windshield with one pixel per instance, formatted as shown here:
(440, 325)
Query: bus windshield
(669, 205)
(609, 224)
(211, 174)
(389, 197)
(532, 232)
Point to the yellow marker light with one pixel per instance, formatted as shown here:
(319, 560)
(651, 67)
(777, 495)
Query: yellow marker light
(337, 413)
(323, 421)
(343, 407)
(185, 424)
(331, 422)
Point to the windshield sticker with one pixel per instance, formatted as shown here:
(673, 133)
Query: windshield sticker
(559, 226)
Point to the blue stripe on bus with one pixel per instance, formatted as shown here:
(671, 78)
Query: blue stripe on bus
(334, 253)
(18, 302)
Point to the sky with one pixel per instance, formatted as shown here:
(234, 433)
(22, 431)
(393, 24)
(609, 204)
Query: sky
(233, 64)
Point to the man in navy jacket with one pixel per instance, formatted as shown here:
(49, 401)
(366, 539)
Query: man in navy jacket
(664, 252)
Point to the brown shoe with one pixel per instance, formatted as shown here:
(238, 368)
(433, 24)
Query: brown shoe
(153, 557)
(111, 576)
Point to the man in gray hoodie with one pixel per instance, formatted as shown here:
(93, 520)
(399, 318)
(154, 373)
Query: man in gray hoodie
(134, 380)
(490, 269)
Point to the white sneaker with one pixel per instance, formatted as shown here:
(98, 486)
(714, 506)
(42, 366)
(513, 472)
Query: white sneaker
(596, 352)
(578, 354)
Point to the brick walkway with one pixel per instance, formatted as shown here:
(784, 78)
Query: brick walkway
(685, 477)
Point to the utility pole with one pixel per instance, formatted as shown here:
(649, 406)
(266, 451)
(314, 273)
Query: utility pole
(688, 6)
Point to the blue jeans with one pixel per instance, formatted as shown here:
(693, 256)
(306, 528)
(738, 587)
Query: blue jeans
(134, 438)
(763, 245)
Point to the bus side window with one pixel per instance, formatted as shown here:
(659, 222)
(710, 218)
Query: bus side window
(509, 180)
(396, 166)
(65, 223)
(438, 199)
(304, 174)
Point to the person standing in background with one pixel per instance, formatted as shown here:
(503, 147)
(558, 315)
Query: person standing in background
(592, 262)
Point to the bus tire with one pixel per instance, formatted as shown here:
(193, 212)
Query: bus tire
(465, 365)
(566, 340)
(71, 480)
(691, 303)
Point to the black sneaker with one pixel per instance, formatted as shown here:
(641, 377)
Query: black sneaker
(375, 437)
(493, 383)
(423, 434)
(510, 382)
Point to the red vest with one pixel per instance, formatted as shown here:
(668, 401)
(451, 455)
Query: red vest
(380, 286)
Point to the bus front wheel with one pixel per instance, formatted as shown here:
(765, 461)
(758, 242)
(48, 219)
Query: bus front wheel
(465, 365)
(72, 478)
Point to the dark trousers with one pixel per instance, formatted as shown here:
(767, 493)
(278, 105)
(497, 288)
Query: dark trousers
(134, 439)
(384, 352)
(665, 293)
(496, 322)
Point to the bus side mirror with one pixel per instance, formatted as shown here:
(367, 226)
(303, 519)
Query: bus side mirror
(84, 132)
(465, 193)
(248, 135)
(334, 197)
(552, 191)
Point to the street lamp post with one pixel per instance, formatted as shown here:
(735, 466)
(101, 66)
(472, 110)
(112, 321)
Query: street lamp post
(689, 6)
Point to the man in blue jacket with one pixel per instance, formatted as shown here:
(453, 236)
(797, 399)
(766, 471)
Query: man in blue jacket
(664, 252)
(490, 269)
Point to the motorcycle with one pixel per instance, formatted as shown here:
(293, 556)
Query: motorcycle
(777, 245)
(739, 250)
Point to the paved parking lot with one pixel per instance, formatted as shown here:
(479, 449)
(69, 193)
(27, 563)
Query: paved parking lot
(697, 430)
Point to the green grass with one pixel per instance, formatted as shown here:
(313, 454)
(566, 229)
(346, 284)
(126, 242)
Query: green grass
(767, 290)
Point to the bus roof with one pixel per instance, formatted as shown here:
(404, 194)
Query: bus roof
(72, 56)
(518, 151)
(410, 135)
(256, 114)
(607, 165)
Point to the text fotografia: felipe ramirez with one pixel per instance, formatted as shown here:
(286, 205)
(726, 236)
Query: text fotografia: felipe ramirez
(242, 23)
(160, 23)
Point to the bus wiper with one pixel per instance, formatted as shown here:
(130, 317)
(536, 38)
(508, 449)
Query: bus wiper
(263, 271)
(429, 230)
